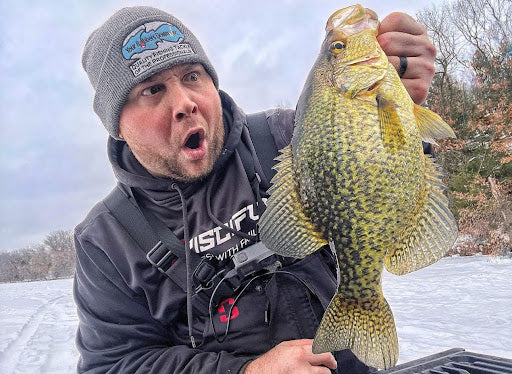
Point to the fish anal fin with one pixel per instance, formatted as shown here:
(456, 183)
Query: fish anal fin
(284, 227)
(433, 233)
(365, 326)
(431, 126)
(390, 124)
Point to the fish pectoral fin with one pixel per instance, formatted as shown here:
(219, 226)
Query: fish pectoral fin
(365, 326)
(391, 127)
(434, 230)
(284, 227)
(431, 126)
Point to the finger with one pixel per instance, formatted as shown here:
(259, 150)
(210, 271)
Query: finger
(317, 359)
(320, 370)
(417, 67)
(306, 342)
(402, 44)
(417, 89)
(325, 359)
(417, 77)
(401, 22)
(395, 61)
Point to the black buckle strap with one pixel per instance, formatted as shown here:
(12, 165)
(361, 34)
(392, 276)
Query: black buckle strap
(146, 229)
(161, 257)
(209, 277)
(203, 274)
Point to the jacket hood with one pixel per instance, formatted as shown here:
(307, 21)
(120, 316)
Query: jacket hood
(131, 173)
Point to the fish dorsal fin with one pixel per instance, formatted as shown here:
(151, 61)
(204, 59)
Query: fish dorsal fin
(390, 124)
(284, 226)
(431, 126)
(434, 230)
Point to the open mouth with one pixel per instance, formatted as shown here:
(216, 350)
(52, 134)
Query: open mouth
(193, 141)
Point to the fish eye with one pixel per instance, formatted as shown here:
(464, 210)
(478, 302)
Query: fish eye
(337, 47)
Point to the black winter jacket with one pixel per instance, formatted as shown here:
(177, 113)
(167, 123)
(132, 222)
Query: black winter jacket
(132, 318)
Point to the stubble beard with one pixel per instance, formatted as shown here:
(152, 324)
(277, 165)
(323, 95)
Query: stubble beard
(176, 171)
(170, 166)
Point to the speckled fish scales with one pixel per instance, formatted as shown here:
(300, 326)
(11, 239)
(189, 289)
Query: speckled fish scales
(355, 177)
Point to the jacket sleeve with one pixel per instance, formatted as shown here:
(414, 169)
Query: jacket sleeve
(428, 149)
(117, 333)
(280, 122)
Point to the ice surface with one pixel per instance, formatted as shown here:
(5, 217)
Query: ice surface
(463, 302)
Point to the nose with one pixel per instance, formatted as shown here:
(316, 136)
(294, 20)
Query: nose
(182, 103)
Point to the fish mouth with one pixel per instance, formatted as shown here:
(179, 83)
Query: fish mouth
(362, 88)
(374, 86)
(352, 20)
(376, 58)
(367, 61)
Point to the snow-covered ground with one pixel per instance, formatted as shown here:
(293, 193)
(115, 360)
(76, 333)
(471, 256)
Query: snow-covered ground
(461, 302)
(37, 328)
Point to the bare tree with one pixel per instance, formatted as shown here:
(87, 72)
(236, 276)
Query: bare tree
(484, 24)
(461, 27)
(443, 34)
(60, 240)
(54, 258)
(449, 46)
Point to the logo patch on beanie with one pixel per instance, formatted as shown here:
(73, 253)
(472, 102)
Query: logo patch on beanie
(153, 43)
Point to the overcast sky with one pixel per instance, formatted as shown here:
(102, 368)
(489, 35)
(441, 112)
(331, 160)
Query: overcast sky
(53, 163)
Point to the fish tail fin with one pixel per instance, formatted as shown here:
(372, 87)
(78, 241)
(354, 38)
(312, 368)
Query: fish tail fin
(431, 125)
(365, 326)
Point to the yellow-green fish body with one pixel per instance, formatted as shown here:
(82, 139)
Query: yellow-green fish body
(355, 177)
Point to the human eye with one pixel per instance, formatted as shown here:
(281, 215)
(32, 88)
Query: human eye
(191, 77)
(152, 90)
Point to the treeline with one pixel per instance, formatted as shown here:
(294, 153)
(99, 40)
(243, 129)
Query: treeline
(472, 91)
(52, 259)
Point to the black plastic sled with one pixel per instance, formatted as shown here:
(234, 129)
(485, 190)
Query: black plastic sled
(454, 361)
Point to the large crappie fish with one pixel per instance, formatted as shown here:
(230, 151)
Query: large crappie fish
(355, 177)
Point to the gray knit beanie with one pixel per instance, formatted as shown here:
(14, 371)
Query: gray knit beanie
(129, 47)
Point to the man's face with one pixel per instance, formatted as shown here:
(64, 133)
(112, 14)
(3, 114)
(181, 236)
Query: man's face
(173, 123)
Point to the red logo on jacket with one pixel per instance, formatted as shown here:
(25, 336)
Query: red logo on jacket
(224, 311)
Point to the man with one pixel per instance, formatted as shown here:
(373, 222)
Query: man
(179, 149)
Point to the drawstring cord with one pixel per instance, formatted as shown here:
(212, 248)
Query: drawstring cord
(188, 264)
(219, 223)
(255, 186)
